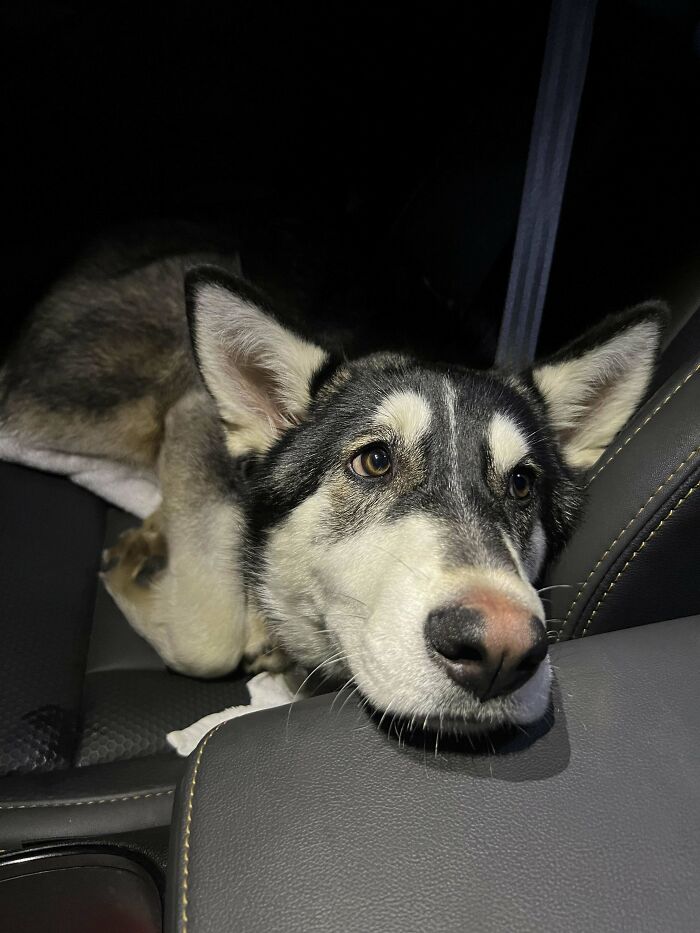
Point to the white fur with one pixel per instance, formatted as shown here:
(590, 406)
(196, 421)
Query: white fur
(530, 564)
(196, 615)
(340, 600)
(454, 469)
(407, 414)
(590, 398)
(257, 371)
(537, 551)
(515, 557)
(507, 443)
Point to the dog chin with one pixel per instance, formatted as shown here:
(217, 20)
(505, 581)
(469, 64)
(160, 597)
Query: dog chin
(472, 717)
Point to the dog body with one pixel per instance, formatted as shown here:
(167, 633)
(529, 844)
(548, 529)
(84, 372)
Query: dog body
(380, 521)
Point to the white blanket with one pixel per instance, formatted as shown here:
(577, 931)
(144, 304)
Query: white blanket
(266, 690)
(129, 488)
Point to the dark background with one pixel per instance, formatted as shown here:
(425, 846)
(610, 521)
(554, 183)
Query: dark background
(366, 157)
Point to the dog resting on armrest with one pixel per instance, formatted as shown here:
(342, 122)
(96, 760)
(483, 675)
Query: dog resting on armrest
(379, 520)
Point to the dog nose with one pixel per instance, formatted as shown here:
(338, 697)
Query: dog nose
(481, 656)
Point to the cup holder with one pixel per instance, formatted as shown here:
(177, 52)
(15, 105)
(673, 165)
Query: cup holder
(79, 889)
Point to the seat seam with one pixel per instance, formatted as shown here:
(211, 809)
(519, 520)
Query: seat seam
(646, 421)
(184, 903)
(84, 803)
(668, 479)
(639, 549)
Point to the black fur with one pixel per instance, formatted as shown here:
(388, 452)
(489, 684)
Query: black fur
(295, 467)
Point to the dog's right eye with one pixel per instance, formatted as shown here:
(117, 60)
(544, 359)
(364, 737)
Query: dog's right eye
(373, 462)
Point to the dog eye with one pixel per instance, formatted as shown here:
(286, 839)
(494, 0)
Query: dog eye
(373, 462)
(521, 483)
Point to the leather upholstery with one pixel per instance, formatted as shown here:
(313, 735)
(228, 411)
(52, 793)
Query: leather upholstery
(122, 796)
(85, 703)
(50, 546)
(320, 822)
(634, 558)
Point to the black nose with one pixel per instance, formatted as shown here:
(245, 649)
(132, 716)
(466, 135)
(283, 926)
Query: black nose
(481, 656)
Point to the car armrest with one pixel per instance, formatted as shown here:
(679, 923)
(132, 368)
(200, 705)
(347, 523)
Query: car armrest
(310, 817)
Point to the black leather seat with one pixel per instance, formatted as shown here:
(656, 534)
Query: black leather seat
(85, 704)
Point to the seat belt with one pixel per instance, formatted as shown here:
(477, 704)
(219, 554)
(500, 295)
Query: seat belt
(558, 98)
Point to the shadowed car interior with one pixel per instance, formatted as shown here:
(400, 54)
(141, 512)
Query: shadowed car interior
(365, 163)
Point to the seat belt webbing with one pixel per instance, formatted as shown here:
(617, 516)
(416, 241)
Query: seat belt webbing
(558, 98)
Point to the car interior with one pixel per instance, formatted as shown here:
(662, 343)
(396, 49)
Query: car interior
(366, 161)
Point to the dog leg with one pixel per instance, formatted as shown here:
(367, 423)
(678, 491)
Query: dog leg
(177, 578)
(136, 560)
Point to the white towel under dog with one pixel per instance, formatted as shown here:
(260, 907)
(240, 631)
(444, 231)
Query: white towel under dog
(129, 488)
(266, 690)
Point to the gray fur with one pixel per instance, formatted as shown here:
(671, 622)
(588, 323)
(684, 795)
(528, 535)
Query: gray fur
(268, 543)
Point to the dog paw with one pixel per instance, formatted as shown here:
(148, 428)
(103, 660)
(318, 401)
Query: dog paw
(261, 654)
(138, 557)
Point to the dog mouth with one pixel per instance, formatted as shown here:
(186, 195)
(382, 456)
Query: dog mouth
(489, 717)
(460, 714)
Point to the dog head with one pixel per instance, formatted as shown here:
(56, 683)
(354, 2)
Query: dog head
(398, 513)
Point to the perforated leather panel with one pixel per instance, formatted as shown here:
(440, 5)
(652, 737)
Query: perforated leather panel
(127, 714)
(49, 553)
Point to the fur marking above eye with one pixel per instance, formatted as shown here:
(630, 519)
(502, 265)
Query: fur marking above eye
(406, 414)
(373, 462)
(506, 443)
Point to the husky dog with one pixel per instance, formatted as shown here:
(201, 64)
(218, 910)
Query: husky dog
(379, 519)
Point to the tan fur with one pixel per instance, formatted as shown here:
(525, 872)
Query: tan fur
(105, 369)
(131, 432)
(194, 611)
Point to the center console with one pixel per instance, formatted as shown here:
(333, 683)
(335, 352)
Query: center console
(313, 819)
(78, 889)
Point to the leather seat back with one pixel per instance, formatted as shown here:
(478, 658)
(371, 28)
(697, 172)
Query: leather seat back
(636, 555)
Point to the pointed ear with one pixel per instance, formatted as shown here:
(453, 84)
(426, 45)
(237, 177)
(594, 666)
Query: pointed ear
(593, 386)
(257, 371)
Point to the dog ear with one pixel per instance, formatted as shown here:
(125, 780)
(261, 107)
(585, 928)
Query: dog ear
(593, 386)
(257, 371)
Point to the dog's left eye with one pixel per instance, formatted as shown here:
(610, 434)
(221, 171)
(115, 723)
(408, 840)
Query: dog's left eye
(372, 462)
(521, 483)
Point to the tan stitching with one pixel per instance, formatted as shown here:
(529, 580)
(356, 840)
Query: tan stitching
(84, 803)
(640, 548)
(645, 422)
(611, 546)
(188, 826)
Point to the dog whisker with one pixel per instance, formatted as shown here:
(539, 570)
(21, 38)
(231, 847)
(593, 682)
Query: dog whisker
(333, 659)
(353, 599)
(386, 711)
(335, 698)
(437, 735)
(400, 560)
(347, 698)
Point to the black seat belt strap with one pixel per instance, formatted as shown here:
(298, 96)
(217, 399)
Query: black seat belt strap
(558, 98)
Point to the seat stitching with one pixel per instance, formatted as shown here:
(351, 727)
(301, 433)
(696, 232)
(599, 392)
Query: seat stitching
(644, 423)
(640, 548)
(629, 523)
(188, 827)
(84, 803)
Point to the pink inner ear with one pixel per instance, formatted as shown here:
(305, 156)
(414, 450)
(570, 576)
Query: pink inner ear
(259, 394)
